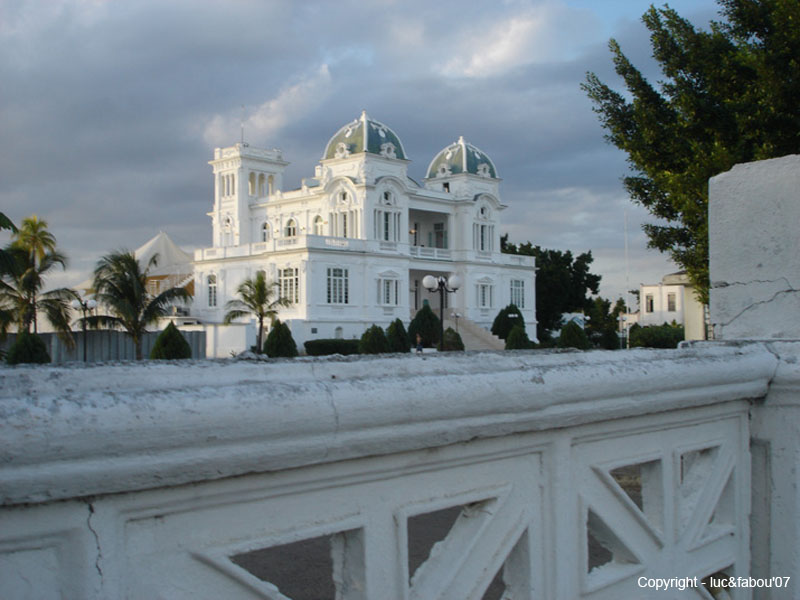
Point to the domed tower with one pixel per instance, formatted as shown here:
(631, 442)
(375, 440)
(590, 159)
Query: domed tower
(462, 170)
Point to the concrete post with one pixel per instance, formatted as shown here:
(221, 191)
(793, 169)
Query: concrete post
(754, 214)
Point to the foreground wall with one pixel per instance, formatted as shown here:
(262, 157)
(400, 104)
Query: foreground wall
(160, 480)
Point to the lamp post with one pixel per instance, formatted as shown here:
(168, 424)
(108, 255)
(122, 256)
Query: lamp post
(85, 306)
(443, 286)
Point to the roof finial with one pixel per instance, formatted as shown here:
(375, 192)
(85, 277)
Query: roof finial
(363, 114)
(460, 139)
(242, 124)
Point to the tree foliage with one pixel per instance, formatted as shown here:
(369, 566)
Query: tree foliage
(373, 341)
(728, 95)
(27, 348)
(656, 336)
(506, 319)
(518, 338)
(257, 297)
(562, 283)
(120, 286)
(452, 341)
(426, 324)
(280, 343)
(171, 345)
(397, 336)
(573, 336)
(24, 266)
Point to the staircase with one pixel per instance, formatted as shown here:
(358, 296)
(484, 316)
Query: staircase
(474, 336)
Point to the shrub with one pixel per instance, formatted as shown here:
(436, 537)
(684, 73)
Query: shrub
(373, 341)
(518, 338)
(327, 346)
(398, 337)
(170, 344)
(609, 340)
(506, 320)
(656, 336)
(452, 341)
(27, 348)
(280, 342)
(427, 325)
(573, 336)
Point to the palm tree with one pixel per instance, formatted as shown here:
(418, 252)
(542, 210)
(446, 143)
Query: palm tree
(120, 286)
(23, 267)
(259, 298)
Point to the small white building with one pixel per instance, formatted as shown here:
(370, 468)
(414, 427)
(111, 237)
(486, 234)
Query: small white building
(351, 246)
(671, 300)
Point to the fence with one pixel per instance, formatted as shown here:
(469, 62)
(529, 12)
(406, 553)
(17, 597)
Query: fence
(106, 345)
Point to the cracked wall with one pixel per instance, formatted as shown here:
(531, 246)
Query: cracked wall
(754, 219)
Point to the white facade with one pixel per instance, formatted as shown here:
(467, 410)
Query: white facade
(351, 246)
(672, 300)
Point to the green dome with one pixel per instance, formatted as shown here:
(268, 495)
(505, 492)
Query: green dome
(364, 135)
(461, 157)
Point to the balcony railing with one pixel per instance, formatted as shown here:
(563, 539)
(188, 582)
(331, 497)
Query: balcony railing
(555, 475)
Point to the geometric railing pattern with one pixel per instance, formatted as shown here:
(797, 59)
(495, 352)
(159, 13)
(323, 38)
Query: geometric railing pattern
(585, 512)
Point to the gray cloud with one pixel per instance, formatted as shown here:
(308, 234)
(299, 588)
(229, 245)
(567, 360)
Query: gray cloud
(110, 110)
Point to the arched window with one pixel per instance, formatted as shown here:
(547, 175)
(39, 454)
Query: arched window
(211, 283)
(291, 228)
(318, 223)
(262, 182)
(251, 184)
(270, 185)
(338, 333)
(265, 231)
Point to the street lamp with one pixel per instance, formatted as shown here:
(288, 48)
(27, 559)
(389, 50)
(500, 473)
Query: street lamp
(85, 306)
(443, 286)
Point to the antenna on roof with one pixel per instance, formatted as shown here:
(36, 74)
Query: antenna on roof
(242, 124)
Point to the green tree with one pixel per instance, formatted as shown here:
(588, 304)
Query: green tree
(120, 286)
(397, 336)
(171, 345)
(257, 297)
(280, 343)
(373, 341)
(506, 320)
(426, 324)
(452, 341)
(656, 336)
(517, 338)
(573, 336)
(27, 348)
(728, 95)
(24, 267)
(562, 283)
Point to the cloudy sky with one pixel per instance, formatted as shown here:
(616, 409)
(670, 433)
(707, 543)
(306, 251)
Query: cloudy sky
(110, 110)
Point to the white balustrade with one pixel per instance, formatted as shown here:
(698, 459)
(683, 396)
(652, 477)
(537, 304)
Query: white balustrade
(571, 475)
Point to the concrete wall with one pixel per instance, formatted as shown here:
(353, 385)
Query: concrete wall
(754, 217)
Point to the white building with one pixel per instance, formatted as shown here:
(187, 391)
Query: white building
(671, 300)
(351, 246)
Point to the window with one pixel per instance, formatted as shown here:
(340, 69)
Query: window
(338, 289)
(439, 236)
(388, 292)
(289, 284)
(338, 333)
(485, 294)
(446, 187)
(211, 282)
(262, 187)
(518, 293)
(270, 184)
(291, 228)
(318, 224)
(265, 227)
(251, 184)
(648, 303)
(671, 302)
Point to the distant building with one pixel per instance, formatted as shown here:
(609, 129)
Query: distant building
(671, 300)
(351, 247)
